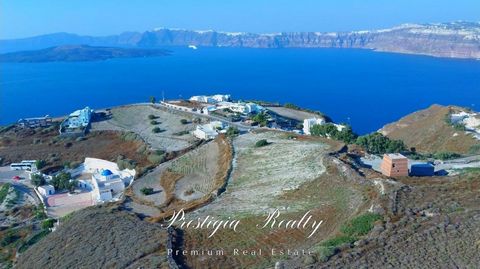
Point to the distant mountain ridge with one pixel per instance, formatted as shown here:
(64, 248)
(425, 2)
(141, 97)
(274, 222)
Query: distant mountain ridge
(453, 40)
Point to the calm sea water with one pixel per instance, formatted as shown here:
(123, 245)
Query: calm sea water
(363, 88)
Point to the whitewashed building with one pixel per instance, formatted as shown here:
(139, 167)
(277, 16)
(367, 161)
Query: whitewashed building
(46, 190)
(308, 124)
(103, 179)
(242, 108)
(210, 130)
(212, 99)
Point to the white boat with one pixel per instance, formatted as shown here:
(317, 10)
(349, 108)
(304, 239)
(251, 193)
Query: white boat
(193, 47)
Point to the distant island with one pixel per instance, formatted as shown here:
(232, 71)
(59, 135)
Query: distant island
(451, 40)
(78, 53)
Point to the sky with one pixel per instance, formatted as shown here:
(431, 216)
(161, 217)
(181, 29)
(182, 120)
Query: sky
(23, 18)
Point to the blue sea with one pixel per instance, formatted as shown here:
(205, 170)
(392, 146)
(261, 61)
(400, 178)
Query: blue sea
(363, 88)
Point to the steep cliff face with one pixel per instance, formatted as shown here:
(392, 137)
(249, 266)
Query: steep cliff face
(456, 40)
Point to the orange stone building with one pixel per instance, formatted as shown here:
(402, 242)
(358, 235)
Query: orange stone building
(394, 165)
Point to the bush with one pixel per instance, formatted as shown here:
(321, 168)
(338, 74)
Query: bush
(377, 143)
(40, 164)
(152, 99)
(156, 158)
(360, 225)
(156, 130)
(330, 130)
(154, 122)
(261, 119)
(146, 191)
(184, 121)
(48, 223)
(9, 238)
(63, 181)
(152, 117)
(4, 192)
(261, 143)
(232, 131)
(38, 180)
(445, 155)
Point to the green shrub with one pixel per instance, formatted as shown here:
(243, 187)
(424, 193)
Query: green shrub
(232, 131)
(37, 180)
(48, 223)
(330, 130)
(446, 155)
(9, 238)
(32, 240)
(261, 143)
(156, 158)
(184, 121)
(156, 130)
(40, 164)
(4, 192)
(377, 143)
(360, 225)
(154, 122)
(146, 191)
(261, 119)
(152, 117)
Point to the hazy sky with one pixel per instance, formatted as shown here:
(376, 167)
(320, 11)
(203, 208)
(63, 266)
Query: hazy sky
(21, 18)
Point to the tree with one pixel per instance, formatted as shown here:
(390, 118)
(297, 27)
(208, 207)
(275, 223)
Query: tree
(40, 164)
(152, 117)
(261, 119)
(183, 121)
(232, 131)
(153, 100)
(377, 143)
(37, 180)
(330, 130)
(146, 191)
(156, 130)
(48, 224)
(261, 143)
(62, 181)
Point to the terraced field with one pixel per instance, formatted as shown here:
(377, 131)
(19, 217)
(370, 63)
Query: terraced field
(294, 176)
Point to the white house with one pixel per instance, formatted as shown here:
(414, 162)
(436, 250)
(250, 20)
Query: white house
(210, 130)
(79, 118)
(308, 124)
(213, 99)
(46, 190)
(102, 178)
(243, 108)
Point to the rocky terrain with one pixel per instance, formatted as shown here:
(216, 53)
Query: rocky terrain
(100, 237)
(455, 40)
(432, 130)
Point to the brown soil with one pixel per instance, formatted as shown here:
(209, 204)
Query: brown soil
(45, 144)
(428, 131)
(168, 180)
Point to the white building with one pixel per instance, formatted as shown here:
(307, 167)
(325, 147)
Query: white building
(242, 108)
(46, 190)
(106, 181)
(210, 130)
(79, 118)
(213, 99)
(308, 124)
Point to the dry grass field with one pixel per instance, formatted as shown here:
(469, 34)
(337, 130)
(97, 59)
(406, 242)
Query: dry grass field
(428, 131)
(187, 182)
(136, 119)
(294, 176)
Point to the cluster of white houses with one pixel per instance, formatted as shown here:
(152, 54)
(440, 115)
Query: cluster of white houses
(103, 179)
(203, 104)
